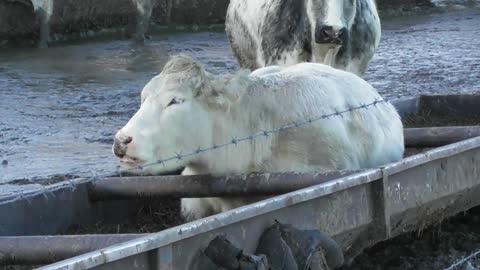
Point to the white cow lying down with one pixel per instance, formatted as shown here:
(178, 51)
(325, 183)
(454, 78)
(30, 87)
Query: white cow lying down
(184, 108)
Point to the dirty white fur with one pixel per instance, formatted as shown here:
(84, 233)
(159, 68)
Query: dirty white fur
(214, 110)
(253, 48)
(252, 13)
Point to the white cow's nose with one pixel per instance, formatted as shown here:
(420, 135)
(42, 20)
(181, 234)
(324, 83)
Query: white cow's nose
(120, 145)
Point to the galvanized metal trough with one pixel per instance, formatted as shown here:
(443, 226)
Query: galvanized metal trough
(358, 209)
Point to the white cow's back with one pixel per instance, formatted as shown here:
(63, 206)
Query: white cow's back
(358, 139)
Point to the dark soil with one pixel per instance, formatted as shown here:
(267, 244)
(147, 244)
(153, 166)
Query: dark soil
(426, 118)
(154, 215)
(434, 248)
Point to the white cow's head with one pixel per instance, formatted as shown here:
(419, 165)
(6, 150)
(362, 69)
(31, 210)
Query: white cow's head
(176, 115)
(331, 19)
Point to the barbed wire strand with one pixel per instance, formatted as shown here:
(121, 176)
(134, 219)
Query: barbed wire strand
(72, 184)
(463, 260)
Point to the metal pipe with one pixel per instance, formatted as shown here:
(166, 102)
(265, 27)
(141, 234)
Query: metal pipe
(197, 186)
(254, 184)
(22, 250)
(438, 136)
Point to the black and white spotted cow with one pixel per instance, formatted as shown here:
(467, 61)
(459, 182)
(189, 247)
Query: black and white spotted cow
(340, 33)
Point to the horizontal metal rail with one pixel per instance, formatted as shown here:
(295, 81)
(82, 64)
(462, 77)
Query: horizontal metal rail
(438, 136)
(47, 249)
(197, 186)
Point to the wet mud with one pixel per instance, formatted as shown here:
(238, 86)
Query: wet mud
(436, 247)
(61, 106)
(155, 214)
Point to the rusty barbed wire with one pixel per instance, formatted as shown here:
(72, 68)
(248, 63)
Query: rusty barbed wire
(72, 184)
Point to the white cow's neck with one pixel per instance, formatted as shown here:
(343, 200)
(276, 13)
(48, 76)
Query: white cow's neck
(241, 120)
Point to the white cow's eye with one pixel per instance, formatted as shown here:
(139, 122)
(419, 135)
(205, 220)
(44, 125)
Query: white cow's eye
(176, 100)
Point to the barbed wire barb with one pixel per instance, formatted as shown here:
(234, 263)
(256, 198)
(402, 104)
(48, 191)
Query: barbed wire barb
(178, 156)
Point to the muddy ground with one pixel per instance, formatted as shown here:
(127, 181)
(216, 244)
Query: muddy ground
(61, 106)
(436, 247)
